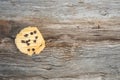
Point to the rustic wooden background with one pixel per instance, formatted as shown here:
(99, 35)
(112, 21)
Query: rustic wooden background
(82, 39)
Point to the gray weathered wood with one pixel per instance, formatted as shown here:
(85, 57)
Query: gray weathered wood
(82, 39)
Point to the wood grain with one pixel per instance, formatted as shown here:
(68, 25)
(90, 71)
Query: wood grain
(82, 39)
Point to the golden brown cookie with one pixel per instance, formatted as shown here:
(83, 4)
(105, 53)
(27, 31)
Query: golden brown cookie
(30, 41)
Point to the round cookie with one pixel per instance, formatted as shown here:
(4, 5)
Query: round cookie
(30, 41)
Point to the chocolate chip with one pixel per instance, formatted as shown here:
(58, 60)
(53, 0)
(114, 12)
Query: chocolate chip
(34, 41)
(28, 49)
(26, 35)
(33, 49)
(31, 33)
(35, 32)
(36, 37)
(28, 41)
(22, 41)
(28, 44)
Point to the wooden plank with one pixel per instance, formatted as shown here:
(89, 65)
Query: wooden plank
(60, 9)
(82, 39)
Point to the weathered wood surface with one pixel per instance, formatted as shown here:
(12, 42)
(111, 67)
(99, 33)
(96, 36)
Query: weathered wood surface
(82, 39)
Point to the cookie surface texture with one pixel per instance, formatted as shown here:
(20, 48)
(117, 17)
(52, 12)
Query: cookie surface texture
(30, 41)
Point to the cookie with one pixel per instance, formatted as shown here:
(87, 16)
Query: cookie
(30, 41)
